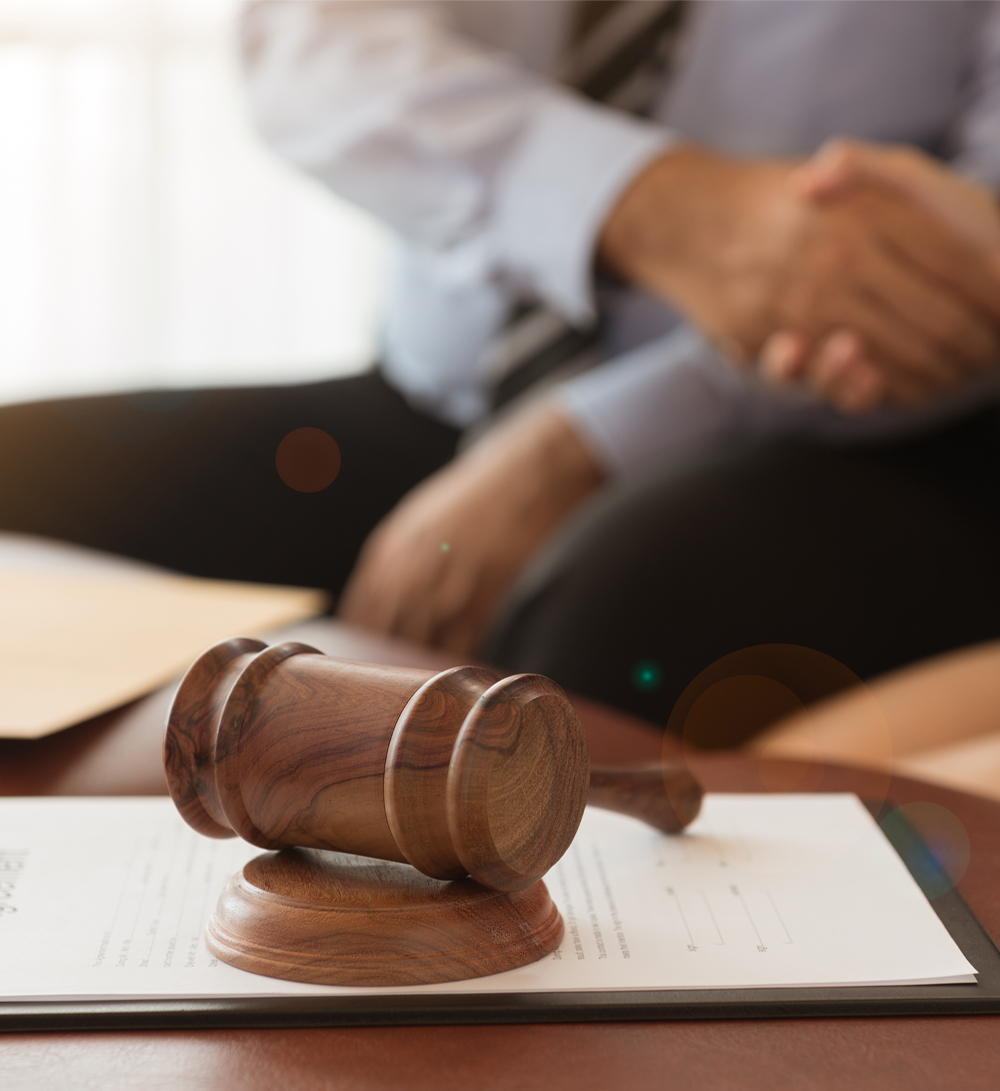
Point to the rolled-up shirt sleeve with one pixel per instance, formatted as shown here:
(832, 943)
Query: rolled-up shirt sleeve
(449, 142)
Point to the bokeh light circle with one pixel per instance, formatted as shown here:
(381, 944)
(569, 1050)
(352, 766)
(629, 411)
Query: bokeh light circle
(308, 459)
(768, 697)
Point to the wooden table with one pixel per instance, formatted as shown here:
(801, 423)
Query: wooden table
(119, 754)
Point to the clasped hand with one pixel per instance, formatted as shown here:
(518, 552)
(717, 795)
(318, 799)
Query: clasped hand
(840, 366)
(872, 273)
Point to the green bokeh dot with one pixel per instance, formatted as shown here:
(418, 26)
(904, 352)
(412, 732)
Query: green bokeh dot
(647, 676)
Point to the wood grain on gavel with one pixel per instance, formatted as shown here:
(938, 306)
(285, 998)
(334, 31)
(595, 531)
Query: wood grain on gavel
(460, 772)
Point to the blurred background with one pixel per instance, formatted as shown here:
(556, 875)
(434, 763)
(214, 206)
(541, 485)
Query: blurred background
(148, 238)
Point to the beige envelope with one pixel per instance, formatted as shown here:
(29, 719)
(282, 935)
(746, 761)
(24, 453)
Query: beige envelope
(78, 643)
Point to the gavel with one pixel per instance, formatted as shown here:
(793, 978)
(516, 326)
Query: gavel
(458, 772)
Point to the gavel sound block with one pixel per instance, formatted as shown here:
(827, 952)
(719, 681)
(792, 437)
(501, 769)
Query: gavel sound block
(479, 782)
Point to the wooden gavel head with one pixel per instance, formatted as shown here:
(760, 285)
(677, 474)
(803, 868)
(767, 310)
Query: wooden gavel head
(459, 772)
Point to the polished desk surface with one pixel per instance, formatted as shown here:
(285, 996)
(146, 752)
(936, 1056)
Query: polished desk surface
(119, 754)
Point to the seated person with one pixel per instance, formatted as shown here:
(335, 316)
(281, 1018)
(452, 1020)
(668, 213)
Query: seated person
(662, 523)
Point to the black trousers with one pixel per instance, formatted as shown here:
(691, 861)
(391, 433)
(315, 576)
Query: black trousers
(190, 482)
(873, 557)
(801, 568)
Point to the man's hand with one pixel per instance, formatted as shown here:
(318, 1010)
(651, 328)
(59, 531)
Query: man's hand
(840, 366)
(969, 208)
(739, 248)
(436, 566)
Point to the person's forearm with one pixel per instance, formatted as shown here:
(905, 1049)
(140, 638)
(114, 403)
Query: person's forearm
(436, 567)
(673, 207)
(545, 461)
(684, 220)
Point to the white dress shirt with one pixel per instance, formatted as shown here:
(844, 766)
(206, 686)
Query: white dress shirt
(448, 122)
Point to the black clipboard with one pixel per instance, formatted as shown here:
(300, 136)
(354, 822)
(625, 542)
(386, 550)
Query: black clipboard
(981, 998)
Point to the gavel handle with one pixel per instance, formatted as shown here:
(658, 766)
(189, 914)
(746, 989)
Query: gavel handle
(664, 796)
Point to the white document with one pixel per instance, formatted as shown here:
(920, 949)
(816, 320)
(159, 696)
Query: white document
(108, 898)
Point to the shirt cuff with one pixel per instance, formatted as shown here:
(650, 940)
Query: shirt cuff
(669, 398)
(556, 190)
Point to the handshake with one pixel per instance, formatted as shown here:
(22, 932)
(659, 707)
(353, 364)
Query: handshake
(871, 273)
